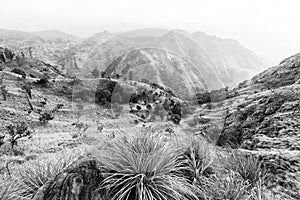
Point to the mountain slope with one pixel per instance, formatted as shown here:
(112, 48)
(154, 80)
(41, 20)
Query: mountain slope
(286, 73)
(6, 34)
(221, 62)
(235, 62)
(162, 67)
(265, 120)
(55, 34)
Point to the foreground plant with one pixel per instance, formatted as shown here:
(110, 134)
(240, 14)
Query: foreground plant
(34, 174)
(198, 160)
(144, 168)
(8, 190)
(248, 166)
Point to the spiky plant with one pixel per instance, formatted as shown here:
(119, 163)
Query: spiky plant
(8, 190)
(198, 160)
(248, 166)
(144, 168)
(34, 174)
(231, 187)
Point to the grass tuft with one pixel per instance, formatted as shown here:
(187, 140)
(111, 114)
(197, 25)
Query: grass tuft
(144, 168)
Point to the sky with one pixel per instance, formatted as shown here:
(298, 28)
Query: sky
(270, 28)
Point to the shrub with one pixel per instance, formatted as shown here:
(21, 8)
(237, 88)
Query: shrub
(45, 117)
(81, 129)
(144, 168)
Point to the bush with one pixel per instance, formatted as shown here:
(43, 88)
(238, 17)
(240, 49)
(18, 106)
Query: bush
(144, 168)
(46, 117)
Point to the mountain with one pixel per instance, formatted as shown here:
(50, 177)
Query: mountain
(6, 34)
(15, 35)
(55, 34)
(235, 62)
(222, 62)
(162, 67)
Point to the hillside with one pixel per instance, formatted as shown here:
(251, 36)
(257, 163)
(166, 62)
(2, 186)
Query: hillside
(286, 73)
(161, 67)
(265, 120)
(235, 62)
(55, 34)
(6, 34)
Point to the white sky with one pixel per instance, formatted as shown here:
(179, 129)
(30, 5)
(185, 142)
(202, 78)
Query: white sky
(271, 28)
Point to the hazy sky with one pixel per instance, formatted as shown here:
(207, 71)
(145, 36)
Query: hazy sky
(271, 28)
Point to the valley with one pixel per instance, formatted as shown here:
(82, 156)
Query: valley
(163, 115)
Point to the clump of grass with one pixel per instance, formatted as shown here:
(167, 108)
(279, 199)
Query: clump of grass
(144, 167)
(231, 187)
(34, 174)
(248, 166)
(8, 189)
(198, 160)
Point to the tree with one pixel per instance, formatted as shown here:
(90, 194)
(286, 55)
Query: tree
(16, 132)
(27, 88)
